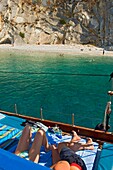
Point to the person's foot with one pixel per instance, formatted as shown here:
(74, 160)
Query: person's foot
(75, 137)
(89, 143)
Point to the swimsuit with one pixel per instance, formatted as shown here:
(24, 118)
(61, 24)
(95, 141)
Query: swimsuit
(76, 165)
(69, 155)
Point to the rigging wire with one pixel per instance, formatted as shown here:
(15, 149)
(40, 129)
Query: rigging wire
(56, 73)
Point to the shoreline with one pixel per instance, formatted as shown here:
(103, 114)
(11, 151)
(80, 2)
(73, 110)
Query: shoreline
(77, 49)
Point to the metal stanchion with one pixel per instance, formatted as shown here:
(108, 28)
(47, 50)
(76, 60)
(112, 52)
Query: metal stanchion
(73, 119)
(41, 114)
(15, 108)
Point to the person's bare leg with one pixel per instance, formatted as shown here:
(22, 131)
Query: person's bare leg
(75, 137)
(89, 144)
(39, 140)
(24, 141)
(45, 143)
(76, 146)
(55, 155)
(82, 146)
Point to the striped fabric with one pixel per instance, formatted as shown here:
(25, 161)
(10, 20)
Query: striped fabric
(7, 132)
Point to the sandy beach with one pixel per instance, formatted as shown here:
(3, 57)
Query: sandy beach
(61, 49)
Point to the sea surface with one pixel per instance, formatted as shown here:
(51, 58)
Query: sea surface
(61, 85)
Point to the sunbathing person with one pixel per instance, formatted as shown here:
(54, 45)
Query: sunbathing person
(60, 155)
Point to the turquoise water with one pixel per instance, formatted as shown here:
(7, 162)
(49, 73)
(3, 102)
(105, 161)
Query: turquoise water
(38, 81)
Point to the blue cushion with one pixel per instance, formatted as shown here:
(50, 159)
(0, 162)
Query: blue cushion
(9, 161)
(106, 157)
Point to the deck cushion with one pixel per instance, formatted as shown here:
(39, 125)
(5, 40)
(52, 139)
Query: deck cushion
(106, 157)
(8, 132)
(9, 161)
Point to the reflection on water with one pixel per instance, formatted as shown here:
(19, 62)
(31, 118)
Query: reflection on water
(28, 82)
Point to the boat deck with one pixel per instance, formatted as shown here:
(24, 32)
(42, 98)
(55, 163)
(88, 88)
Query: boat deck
(10, 132)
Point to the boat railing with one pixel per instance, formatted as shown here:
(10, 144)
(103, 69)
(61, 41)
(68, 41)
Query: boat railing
(69, 118)
(57, 115)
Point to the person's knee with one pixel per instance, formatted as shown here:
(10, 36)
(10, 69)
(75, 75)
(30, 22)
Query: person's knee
(62, 165)
(27, 129)
(41, 132)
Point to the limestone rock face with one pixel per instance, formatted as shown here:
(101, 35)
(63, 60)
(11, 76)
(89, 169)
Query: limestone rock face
(57, 22)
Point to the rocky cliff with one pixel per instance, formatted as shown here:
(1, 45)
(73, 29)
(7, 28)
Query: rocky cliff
(57, 22)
